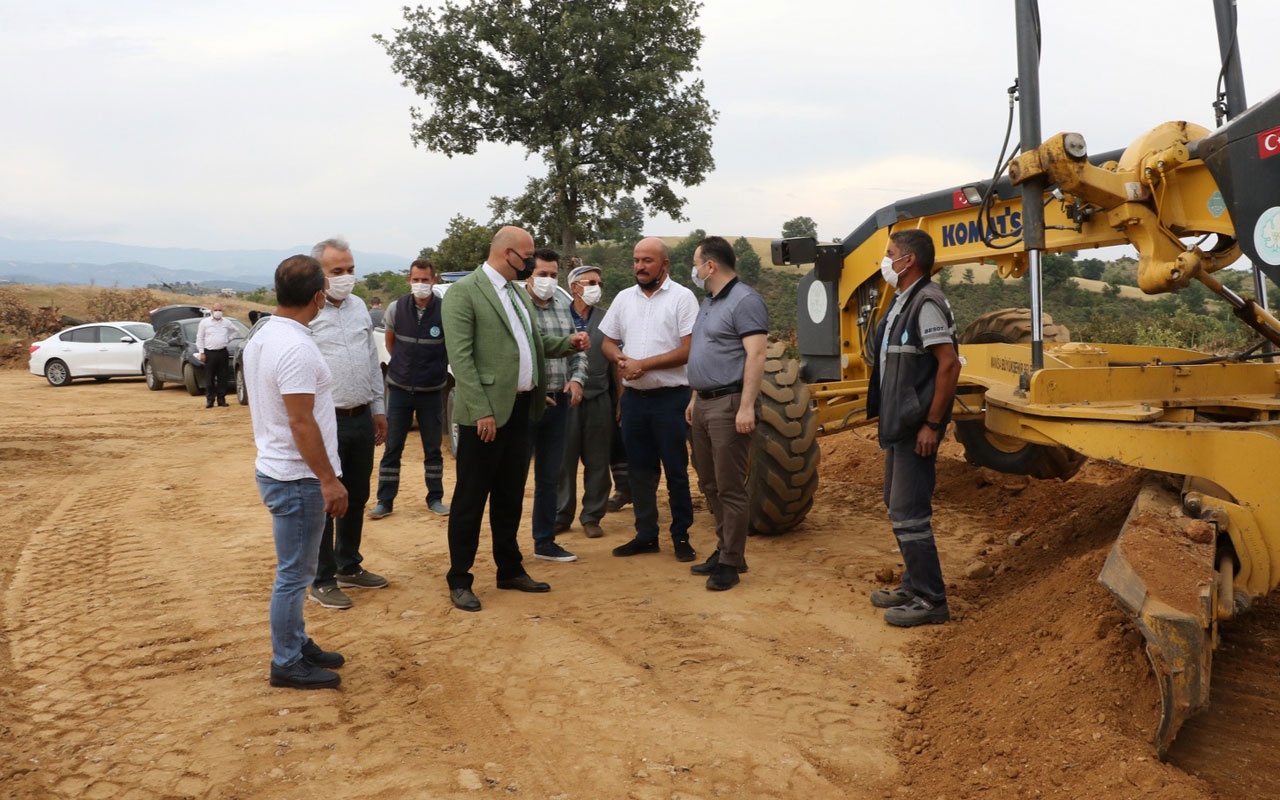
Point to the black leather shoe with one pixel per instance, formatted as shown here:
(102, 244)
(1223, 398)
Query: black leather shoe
(524, 583)
(302, 674)
(709, 566)
(684, 551)
(464, 599)
(723, 577)
(222, 404)
(635, 547)
(208, 405)
(312, 653)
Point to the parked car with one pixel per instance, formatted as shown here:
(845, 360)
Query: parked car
(100, 350)
(171, 355)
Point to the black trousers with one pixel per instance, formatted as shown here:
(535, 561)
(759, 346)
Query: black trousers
(340, 543)
(215, 375)
(493, 472)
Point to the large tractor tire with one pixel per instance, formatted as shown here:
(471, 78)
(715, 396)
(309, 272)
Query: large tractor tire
(782, 475)
(1003, 453)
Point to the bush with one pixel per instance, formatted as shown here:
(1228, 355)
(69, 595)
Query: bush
(21, 320)
(123, 304)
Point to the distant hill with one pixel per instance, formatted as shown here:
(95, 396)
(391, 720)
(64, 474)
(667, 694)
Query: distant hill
(109, 264)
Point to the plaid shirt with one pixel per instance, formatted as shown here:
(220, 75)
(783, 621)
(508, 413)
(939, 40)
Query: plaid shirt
(556, 319)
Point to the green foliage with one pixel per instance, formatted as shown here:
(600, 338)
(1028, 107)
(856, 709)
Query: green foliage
(388, 285)
(1091, 268)
(262, 294)
(1058, 269)
(682, 258)
(967, 277)
(799, 226)
(599, 89)
(614, 260)
(464, 246)
(748, 261)
(943, 277)
(626, 226)
(1106, 317)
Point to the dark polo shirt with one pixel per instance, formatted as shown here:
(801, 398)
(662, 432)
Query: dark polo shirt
(716, 355)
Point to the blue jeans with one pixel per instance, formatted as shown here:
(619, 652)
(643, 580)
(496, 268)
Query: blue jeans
(654, 430)
(297, 520)
(402, 404)
(546, 450)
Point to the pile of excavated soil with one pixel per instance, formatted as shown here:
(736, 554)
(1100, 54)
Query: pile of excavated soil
(1043, 689)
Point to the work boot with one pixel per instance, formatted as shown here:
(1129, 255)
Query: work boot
(302, 674)
(890, 598)
(722, 577)
(320, 657)
(709, 566)
(635, 547)
(918, 611)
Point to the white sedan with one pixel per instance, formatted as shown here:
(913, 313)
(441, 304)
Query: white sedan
(99, 350)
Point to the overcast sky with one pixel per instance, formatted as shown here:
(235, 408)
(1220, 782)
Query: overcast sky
(263, 124)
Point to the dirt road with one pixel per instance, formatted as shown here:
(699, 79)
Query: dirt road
(135, 570)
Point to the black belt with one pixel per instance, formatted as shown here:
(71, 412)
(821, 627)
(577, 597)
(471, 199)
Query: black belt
(719, 391)
(661, 390)
(354, 411)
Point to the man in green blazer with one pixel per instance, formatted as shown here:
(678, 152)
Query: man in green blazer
(498, 358)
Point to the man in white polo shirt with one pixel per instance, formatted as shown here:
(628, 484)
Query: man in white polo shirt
(296, 433)
(646, 334)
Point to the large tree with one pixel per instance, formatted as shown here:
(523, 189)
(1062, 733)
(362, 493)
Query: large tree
(602, 90)
(464, 247)
(799, 226)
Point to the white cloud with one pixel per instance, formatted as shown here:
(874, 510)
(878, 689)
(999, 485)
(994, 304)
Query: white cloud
(235, 123)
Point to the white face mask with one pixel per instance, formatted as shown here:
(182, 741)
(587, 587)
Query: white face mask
(701, 283)
(544, 287)
(420, 290)
(217, 315)
(340, 286)
(887, 271)
(591, 295)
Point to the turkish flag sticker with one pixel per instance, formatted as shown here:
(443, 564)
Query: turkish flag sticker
(958, 200)
(1269, 143)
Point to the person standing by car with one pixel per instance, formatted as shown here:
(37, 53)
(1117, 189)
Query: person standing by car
(297, 465)
(376, 314)
(212, 338)
(416, 379)
(344, 333)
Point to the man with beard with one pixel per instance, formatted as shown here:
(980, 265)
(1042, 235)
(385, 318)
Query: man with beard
(647, 333)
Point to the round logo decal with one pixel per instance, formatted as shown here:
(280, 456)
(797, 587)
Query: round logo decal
(435, 331)
(817, 301)
(1266, 236)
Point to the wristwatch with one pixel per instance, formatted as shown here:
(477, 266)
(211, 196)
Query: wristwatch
(937, 426)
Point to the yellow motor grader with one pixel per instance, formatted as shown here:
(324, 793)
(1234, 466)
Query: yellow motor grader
(1203, 537)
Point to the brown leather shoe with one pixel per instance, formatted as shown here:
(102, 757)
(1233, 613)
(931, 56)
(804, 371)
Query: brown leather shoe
(592, 530)
(561, 527)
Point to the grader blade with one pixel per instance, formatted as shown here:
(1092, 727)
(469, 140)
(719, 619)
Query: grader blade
(1161, 572)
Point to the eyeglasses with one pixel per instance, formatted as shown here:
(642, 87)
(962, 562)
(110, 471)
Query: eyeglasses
(587, 282)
